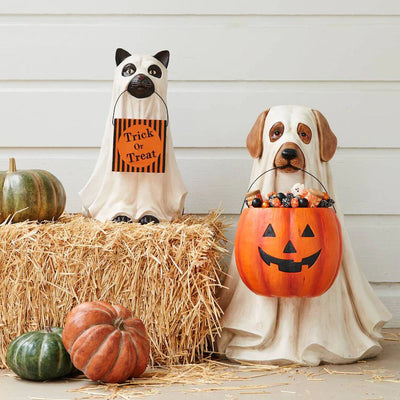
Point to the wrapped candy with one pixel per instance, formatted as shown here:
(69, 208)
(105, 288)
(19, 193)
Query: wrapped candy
(298, 196)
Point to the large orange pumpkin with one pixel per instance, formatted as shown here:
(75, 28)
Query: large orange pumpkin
(106, 342)
(287, 252)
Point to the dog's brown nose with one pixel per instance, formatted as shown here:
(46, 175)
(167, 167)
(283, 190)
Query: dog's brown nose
(289, 154)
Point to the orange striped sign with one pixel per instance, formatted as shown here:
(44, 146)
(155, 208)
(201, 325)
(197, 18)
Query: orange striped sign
(139, 145)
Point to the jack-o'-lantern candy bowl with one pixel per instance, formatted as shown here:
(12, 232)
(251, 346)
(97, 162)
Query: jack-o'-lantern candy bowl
(286, 252)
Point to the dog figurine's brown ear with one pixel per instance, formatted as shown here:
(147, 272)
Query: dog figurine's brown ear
(254, 138)
(327, 139)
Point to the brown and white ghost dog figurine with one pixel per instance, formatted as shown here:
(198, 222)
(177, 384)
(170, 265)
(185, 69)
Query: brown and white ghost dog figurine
(124, 185)
(341, 326)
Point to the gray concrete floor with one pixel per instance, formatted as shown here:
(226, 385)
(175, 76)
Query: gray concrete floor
(374, 379)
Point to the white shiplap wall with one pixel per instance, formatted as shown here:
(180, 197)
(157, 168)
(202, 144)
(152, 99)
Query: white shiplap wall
(229, 60)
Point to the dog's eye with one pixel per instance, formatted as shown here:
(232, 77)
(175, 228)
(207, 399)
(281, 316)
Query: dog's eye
(276, 131)
(155, 70)
(304, 132)
(128, 70)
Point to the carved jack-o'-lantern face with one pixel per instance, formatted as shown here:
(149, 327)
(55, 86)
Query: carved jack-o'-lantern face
(288, 252)
(289, 265)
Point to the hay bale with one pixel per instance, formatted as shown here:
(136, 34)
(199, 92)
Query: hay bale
(168, 274)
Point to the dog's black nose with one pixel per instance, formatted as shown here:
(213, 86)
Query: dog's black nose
(289, 154)
(141, 86)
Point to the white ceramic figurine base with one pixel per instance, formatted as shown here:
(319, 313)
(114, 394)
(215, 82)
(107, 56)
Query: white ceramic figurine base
(341, 326)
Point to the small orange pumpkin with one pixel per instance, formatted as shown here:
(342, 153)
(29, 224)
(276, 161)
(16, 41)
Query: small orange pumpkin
(287, 252)
(106, 342)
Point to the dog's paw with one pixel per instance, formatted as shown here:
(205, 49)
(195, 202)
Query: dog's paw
(122, 218)
(147, 219)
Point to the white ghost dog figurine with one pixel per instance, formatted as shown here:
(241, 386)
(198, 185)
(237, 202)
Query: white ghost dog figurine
(341, 326)
(136, 177)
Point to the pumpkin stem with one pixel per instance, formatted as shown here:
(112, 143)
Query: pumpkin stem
(119, 324)
(12, 165)
(48, 329)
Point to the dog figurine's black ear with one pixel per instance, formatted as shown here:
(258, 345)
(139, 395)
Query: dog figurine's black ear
(327, 139)
(163, 57)
(254, 138)
(120, 55)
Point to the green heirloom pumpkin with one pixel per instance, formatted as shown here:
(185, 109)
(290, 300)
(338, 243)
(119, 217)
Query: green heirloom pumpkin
(30, 195)
(39, 355)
